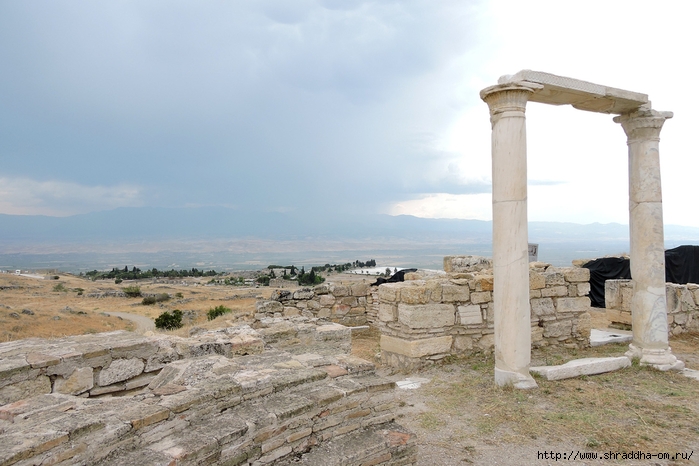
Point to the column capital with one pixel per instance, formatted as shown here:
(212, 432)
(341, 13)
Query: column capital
(643, 124)
(507, 97)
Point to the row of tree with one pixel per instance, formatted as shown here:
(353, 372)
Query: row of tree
(135, 273)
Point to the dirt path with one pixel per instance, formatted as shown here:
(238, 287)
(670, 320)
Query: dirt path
(143, 324)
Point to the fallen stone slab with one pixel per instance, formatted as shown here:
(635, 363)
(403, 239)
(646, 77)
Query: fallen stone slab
(578, 367)
(691, 373)
(604, 337)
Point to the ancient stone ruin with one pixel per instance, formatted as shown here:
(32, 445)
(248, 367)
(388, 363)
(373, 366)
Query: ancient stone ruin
(507, 102)
(286, 392)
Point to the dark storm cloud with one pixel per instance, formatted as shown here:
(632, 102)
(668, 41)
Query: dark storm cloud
(270, 104)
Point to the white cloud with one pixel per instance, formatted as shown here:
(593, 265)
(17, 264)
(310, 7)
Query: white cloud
(25, 196)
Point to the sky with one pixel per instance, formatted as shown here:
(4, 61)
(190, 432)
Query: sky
(312, 107)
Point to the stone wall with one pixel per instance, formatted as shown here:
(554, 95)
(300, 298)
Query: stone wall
(120, 362)
(682, 305)
(344, 304)
(425, 320)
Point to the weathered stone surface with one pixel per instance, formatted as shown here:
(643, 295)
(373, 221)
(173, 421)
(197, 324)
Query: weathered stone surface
(576, 274)
(463, 264)
(389, 292)
(415, 294)
(269, 307)
(387, 312)
(542, 307)
(81, 380)
(454, 293)
(339, 290)
(558, 291)
(470, 315)
(578, 367)
(572, 304)
(327, 300)
(304, 293)
(536, 280)
(416, 348)
(483, 282)
(480, 297)
(558, 328)
(120, 370)
(359, 289)
(25, 389)
(426, 315)
(554, 277)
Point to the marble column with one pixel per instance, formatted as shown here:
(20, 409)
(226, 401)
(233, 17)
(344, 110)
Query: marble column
(648, 302)
(507, 103)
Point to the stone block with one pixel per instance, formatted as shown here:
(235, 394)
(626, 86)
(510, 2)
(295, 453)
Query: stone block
(426, 315)
(542, 307)
(470, 315)
(487, 342)
(536, 280)
(416, 348)
(81, 380)
(120, 370)
(462, 343)
(582, 289)
(291, 311)
(415, 294)
(576, 274)
(554, 277)
(559, 291)
(465, 264)
(534, 294)
(388, 312)
(304, 293)
(340, 309)
(454, 293)
(25, 389)
(583, 325)
(479, 297)
(339, 291)
(359, 289)
(578, 304)
(349, 301)
(327, 300)
(321, 289)
(612, 294)
(556, 329)
(537, 334)
(482, 283)
(269, 307)
(390, 292)
(618, 316)
(578, 367)
(313, 305)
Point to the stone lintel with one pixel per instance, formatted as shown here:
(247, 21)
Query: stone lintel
(583, 95)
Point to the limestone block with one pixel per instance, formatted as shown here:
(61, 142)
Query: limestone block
(583, 325)
(324, 312)
(534, 294)
(537, 334)
(462, 343)
(555, 329)
(542, 307)
(359, 310)
(120, 370)
(483, 283)
(490, 313)
(672, 295)
(269, 307)
(462, 264)
(321, 289)
(559, 290)
(578, 367)
(313, 305)
(25, 389)
(626, 295)
(582, 289)
(553, 277)
(81, 380)
(340, 309)
(339, 290)
(388, 312)
(291, 311)
(695, 292)
(301, 304)
(487, 342)
(410, 276)
(304, 293)
(470, 315)
(349, 301)
(418, 294)
(416, 348)
(681, 318)
(479, 297)
(576, 274)
(453, 293)
(426, 315)
(362, 301)
(359, 289)
(581, 303)
(327, 300)
(536, 280)
(612, 294)
(390, 292)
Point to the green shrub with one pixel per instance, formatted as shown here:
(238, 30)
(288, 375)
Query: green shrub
(179, 295)
(169, 321)
(60, 287)
(159, 298)
(217, 311)
(118, 280)
(132, 291)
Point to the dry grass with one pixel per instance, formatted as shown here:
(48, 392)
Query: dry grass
(634, 409)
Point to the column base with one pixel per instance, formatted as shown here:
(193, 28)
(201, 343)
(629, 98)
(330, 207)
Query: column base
(515, 379)
(661, 359)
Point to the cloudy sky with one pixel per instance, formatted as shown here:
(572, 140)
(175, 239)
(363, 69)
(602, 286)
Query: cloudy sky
(317, 106)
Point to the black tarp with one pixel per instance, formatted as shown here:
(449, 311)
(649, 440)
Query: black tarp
(681, 267)
(603, 269)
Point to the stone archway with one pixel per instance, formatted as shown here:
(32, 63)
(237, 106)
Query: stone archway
(507, 101)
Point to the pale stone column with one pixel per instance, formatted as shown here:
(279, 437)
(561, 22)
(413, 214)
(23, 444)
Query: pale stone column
(507, 103)
(648, 303)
